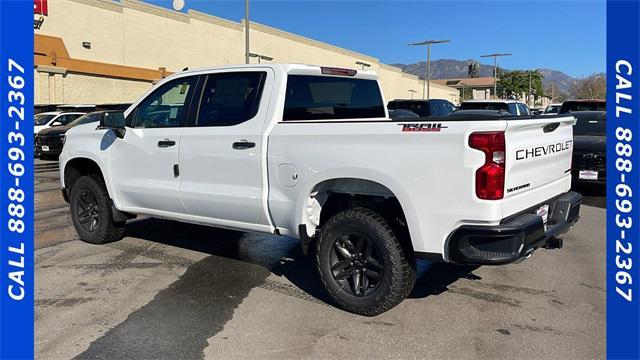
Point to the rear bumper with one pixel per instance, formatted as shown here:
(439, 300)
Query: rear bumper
(517, 236)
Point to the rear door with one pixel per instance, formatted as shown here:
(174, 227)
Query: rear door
(538, 153)
(221, 152)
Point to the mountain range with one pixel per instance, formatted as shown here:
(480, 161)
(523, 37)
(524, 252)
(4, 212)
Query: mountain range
(452, 69)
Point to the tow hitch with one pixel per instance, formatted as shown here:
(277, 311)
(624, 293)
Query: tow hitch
(553, 243)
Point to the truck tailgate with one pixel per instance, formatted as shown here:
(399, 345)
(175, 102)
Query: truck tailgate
(538, 153)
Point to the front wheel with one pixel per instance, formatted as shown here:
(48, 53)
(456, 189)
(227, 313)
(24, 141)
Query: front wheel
(362, 264)
(91, 211)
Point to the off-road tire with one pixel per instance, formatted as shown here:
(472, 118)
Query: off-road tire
(106, 230)
(399, 272)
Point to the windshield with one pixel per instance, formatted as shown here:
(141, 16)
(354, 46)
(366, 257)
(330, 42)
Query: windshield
(42, 119)
(594, 125)
(484, 106)
(85, 119)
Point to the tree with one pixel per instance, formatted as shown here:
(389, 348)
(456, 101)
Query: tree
(474, 69)
(466, 93)
(593, 87)
(515, 84)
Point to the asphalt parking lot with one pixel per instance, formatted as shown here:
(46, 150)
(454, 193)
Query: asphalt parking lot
(171, 290)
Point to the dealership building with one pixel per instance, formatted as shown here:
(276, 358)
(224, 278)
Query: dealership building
(104, 52)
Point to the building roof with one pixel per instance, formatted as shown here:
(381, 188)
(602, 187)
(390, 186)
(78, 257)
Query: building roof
(466, 82)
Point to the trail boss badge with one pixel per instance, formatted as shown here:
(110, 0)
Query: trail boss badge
(422, 127)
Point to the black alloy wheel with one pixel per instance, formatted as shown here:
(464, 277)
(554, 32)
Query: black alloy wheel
(92, 211)
(362, 263)
(88, 211)
(356, 264)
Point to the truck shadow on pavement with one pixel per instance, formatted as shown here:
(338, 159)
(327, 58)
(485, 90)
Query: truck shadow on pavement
(280, 255)
(180, 319)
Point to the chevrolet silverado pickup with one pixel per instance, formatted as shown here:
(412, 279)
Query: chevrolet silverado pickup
(310, 152)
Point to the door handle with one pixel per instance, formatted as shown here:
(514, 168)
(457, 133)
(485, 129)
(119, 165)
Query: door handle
(550, 127)
(166, 143)
(243, 144)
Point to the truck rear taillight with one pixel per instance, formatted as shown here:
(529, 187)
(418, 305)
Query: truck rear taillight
(490, 176)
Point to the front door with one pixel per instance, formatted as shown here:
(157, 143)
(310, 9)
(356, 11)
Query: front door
(220, 154)
(144, 163)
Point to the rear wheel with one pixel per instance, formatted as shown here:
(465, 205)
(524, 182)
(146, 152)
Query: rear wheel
(91, 211)
(362, 264)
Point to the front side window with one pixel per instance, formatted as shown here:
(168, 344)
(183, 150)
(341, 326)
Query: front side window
(167, 106)
(311, 97)
(230, 99)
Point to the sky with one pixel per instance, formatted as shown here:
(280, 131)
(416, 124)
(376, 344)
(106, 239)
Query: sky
(563, 35)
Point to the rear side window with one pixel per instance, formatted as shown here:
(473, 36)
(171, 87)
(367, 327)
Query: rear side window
(230, 99)
(327, 97)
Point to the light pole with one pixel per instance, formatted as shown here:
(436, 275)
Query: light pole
(530, 74)
(260, 56)
(495, 70)
(246, 31)
(428, 44)
(412, 92)
(363, 64)
(529, 95)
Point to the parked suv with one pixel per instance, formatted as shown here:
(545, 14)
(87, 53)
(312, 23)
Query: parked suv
(46, 120)
(590, 153)
(310, 152)
(49, 142)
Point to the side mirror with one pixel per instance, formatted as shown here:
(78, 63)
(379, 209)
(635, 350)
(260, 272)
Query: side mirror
(113, 120)
(56, 123)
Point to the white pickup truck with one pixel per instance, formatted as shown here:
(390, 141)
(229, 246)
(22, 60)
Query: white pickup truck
(310, 152)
